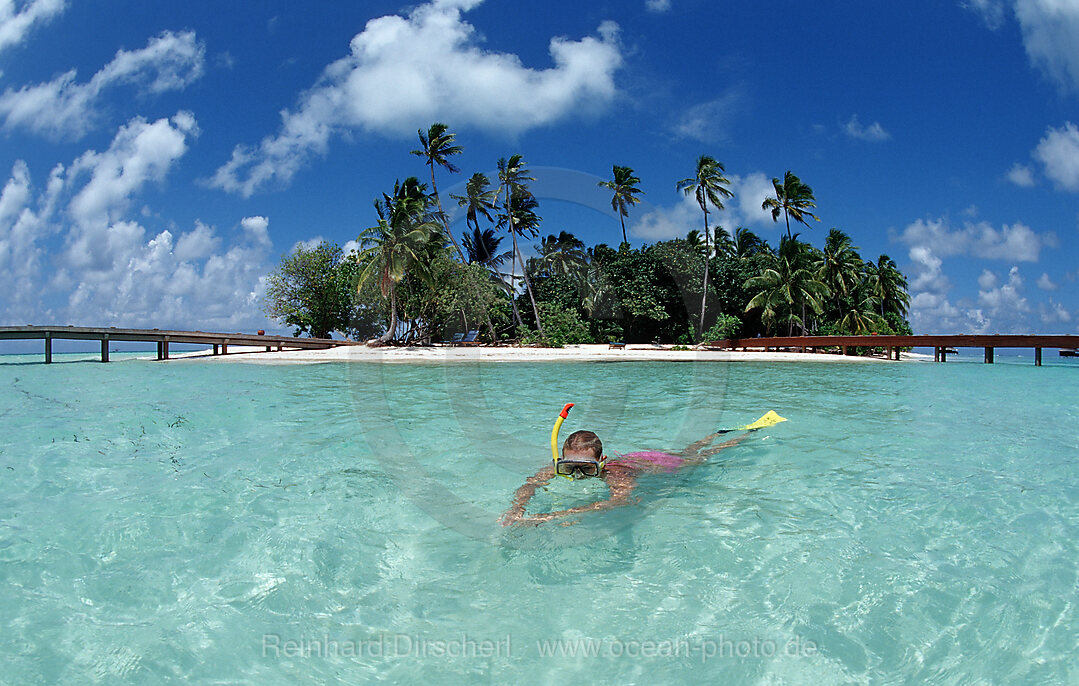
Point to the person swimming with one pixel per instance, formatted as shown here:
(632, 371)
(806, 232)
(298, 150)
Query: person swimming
(583, 458)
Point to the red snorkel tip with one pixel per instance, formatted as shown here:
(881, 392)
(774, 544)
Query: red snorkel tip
(565, 411)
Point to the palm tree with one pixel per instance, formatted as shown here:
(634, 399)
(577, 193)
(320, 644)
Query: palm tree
(562, 254)
(747, 244)
(478, 199)
(840, 268)
(482, 248)
(793, 199)
(707, 186)
(723, 241)
(624, 185)
(520, 217)
(398, 243)
(437, 147)
(785, 286)
(693, 238)
(888, 285)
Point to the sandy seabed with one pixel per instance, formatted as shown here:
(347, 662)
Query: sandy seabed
(570, 353)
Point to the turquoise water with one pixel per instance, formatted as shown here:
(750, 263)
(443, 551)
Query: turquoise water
(199, 522)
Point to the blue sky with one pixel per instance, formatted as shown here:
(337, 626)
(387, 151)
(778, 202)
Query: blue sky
(157, 159)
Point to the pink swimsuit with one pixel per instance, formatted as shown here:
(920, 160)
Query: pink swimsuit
(650, 460)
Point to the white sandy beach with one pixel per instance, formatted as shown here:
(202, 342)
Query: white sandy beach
(571, 353)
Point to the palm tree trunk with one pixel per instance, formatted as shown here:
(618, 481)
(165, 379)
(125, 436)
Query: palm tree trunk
(442, 215)
(528, 284)
(704, 294)
(788, 218)
(622, 220)
(392, 331)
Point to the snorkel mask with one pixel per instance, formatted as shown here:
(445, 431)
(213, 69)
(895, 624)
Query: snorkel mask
(572, 469)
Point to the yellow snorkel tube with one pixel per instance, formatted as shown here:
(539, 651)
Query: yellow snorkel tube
(554, 431)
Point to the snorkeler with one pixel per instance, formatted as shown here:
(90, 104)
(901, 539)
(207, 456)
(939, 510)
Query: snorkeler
(582, 458)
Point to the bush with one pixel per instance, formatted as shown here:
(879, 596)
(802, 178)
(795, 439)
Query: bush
(726, 327)
(561, 327)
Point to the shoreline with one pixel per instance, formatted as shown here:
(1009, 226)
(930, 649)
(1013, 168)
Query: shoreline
(571, 353)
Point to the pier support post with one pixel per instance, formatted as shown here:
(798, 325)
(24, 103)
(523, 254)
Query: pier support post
(48, 349)
(165, 348)
(1037, 357)
(936, 354)
(215, 349)
(988, 355)
(225, 347)
(159, 356)
(105, 348)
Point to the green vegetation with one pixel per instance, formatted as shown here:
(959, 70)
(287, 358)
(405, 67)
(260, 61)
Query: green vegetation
(313, 290)
(413, 281)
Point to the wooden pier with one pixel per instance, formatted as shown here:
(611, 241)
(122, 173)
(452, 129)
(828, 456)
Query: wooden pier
(942, 345)
(219, 341)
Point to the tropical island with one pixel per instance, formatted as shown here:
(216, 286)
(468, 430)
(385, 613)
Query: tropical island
(411, 281)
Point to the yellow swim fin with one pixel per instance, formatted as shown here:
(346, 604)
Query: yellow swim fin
(769, 419)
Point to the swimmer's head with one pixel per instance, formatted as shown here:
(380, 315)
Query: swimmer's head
(582, 456)
(583, 444)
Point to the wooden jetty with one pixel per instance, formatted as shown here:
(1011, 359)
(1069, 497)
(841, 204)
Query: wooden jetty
(942, 345)
(219, 341)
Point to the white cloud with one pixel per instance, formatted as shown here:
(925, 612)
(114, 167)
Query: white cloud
(141, 152)
(1053, 312)
(1004, 303)
(657, 5)
(992, 12)
(710, 122)
(1050, 33)
(403, 72)
(744, 209)
(1001, 306)
(15, 24)
(1045, 283)
(196, 244)
(874, 133)
(1021, 175)
(1010, 242)
(105, 266)
(256, 229)
(63, 108)
(1058, 152)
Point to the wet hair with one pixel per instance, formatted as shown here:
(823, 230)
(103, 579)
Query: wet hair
(583, 442)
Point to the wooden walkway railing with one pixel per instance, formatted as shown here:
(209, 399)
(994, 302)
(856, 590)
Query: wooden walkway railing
(892, 344)
(219, 341)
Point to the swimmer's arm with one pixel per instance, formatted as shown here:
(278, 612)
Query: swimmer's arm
(525, 493)
(621, 486)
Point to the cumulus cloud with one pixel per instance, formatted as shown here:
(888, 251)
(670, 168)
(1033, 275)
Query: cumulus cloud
(104, 265)
(873, 133)
(16, 22)
(1050, 33)
(1003, 302)
(657, 5)
(1021, 175)
(1045, 283)
(1010, 242)
(744, 209)
(1001, 305)
(1053, 312)
(64, 108)
(141, 152)
(403, 72)
(1058, 152)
